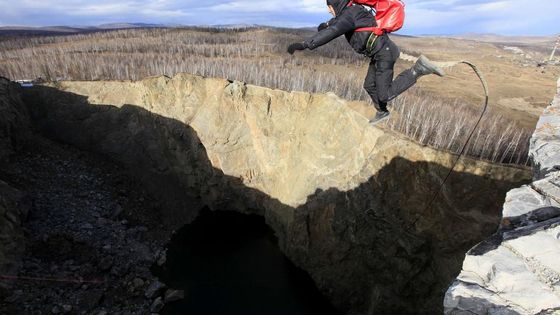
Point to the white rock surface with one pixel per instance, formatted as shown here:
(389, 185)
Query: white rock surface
(517, 271)
(545, 143)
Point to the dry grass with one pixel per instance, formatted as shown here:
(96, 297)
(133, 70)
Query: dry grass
(256, 56)
(446, 127)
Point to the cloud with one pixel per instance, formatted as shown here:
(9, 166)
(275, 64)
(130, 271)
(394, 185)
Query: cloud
(511, 17)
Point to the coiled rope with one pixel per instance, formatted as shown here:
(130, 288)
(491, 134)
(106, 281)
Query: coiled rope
(485, 107)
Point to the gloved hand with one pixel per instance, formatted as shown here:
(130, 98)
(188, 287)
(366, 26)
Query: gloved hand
(322, 26)
(296, 46)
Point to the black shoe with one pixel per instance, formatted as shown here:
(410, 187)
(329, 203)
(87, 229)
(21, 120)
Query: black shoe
(379, 117)
(424, 66)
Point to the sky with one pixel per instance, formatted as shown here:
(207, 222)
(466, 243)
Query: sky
(436, 17)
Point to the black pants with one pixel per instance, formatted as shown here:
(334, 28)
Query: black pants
(379, 82)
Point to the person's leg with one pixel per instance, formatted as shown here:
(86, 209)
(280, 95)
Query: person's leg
(393, 88)
(385, 61)
(405, 79)
(370, 86)
(383, 78)
(403, 82)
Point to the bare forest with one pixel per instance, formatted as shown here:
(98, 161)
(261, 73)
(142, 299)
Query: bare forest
(257, 56)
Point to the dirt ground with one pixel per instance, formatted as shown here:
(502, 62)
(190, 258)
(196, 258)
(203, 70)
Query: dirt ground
(521, 83)
(520, 86)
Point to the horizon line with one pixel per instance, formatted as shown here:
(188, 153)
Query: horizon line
(248, 25)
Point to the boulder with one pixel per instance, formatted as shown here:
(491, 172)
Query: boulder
(154, 289)
(172, 295)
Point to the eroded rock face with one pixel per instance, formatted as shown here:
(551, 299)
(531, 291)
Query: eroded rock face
(13, 209)
(517, 270)
(14, 121)
(347, 201)
(14, 127)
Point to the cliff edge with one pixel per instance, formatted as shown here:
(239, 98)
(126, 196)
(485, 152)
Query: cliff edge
(517, 270)
(347, 201)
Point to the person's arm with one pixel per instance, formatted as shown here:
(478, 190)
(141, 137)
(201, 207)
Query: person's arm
(324, 25)
(337, 26)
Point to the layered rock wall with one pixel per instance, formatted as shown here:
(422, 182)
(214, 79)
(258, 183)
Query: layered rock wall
(517, 270)
(14, 130)
(14, 121)
(347, 201)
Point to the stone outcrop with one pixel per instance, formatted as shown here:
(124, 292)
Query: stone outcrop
(14, 129)
(517, 270)
(14, 121)
(346, 200)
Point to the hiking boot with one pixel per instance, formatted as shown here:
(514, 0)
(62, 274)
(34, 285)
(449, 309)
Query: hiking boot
(424, 66)
(379, 117)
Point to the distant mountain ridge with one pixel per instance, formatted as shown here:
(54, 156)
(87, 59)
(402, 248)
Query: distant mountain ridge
(496, 38)
(132, 25)
(73, 29)
(76, 29)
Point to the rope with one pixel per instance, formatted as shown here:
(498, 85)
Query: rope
(78, 281)
(485, 107)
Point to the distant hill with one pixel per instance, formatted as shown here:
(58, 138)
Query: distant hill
(47, 30)
(494, 38)
(61, 30)
(131, 25)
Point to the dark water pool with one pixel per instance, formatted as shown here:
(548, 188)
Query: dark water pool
(229, 263)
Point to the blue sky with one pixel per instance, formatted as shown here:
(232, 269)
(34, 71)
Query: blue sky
(506, 17)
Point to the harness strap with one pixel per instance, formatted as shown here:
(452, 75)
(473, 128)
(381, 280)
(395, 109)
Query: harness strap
(371, 43)
(376, 30)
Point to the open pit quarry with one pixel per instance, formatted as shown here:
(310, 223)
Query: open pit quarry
(347, 202)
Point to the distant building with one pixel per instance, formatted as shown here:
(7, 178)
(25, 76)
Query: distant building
(25, 83)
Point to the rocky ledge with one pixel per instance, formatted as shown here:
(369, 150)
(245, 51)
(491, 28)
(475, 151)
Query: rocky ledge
(517, 270)
(347, 202)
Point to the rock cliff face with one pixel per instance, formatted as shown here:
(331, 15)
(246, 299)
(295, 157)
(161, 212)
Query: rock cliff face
(13, 209)
(14, 121)
(346, 200)
(517, 270)
(14, 128)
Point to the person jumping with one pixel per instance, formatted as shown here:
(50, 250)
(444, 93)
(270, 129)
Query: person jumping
(347, 20)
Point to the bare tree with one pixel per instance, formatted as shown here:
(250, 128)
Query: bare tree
(257, 56)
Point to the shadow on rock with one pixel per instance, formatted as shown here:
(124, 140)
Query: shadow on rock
(523, 225)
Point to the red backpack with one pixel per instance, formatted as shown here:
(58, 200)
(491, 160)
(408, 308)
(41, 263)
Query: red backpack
(389, 15)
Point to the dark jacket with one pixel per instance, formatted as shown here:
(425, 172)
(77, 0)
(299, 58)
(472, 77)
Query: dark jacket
(348, 19)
